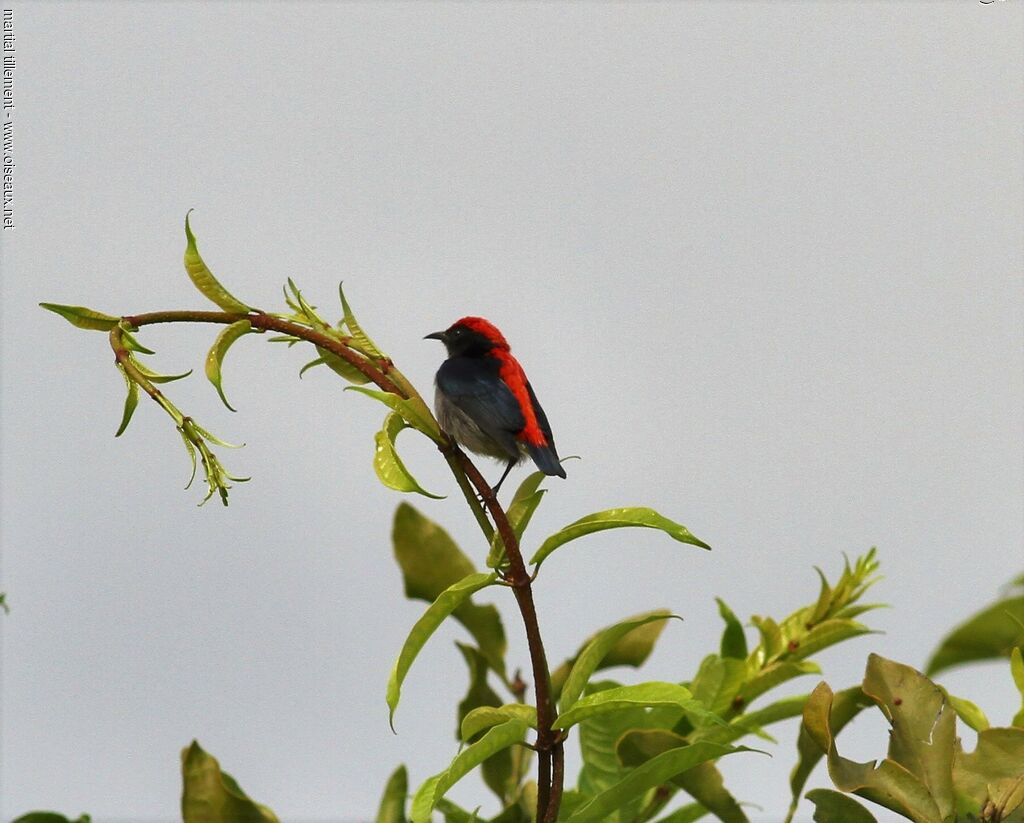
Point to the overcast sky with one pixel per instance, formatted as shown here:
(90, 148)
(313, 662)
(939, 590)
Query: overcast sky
(762, 264)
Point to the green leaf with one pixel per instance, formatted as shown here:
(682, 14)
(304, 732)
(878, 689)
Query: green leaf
(340, 366)
(652, 773)
(994, 773)
(431, 562)
(359, 337)
(616, 519)
(449, 600)
(391, 471)
(1017, 670)
(752, 722)
(888, 784)
(497, 770)
(392, 804)
(212, 796)
(990, 634)
(598, 737)
(50, 817)
(130, 402)
(774, 675)
(220, 347)
(203, 278)
(968, 712)
(83, 318)
(486, 716)
(845, 706)
(644, 695)
(156, 377)
(734, 640)
(923, 727)
(704, 783)
(828, 633)
(496, 739)
(413, 411)
(594, 653)
(718, 682)
(686, 814)
(833, 807)
(520, 511)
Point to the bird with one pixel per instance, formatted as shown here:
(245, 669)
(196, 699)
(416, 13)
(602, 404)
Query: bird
(484, 401)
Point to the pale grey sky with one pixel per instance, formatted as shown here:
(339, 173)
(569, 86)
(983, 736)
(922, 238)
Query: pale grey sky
(761, 261)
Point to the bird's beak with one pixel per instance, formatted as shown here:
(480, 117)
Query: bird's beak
(437, 335)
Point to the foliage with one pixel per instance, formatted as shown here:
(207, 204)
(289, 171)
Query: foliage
(927, 776)
(644, 745)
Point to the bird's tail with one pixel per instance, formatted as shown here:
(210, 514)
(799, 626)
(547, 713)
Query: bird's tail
(546, 459)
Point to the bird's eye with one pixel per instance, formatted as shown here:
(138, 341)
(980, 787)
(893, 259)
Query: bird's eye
(456, 332)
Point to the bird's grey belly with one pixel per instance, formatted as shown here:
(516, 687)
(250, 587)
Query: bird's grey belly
(455, 422)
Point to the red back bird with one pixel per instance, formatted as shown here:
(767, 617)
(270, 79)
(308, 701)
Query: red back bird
(484, 401)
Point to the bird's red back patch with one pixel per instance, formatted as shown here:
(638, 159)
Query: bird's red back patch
(515, 378)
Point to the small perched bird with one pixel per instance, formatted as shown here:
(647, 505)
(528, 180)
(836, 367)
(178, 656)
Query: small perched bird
(484, 401)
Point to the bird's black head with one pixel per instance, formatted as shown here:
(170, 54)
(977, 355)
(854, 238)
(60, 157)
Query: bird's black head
(470, 337)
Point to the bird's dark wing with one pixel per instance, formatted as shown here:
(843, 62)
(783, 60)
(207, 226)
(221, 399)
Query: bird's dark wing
(476, 389)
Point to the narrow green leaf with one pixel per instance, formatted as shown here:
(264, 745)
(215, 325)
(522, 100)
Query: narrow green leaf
(685, 814)
(588, 660)
(449, 600)
(704, 782)
(341, 367)
(968, 712)
(645, 695)
(203, 278)
(615, 519)
(130, 402)
(598, 736)
(718, 682)
(50, 817)
(828, 633)
(392, 804)
(212, 796)
(360, 337)
(734, 640)
(750, 722)
(774, 675)
(82, 317)
(390, 469)
(156, 377)
(497, 770)
(312, 364)
(1017, 671)
(486, 716)
(990, 634)
(520, 511)
(431, 561)
(131, 342)
(414, 412)
(220, 347)
(652, 773)
(497, 738)
(835, 807)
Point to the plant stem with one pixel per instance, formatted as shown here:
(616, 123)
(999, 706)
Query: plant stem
(550, 759)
